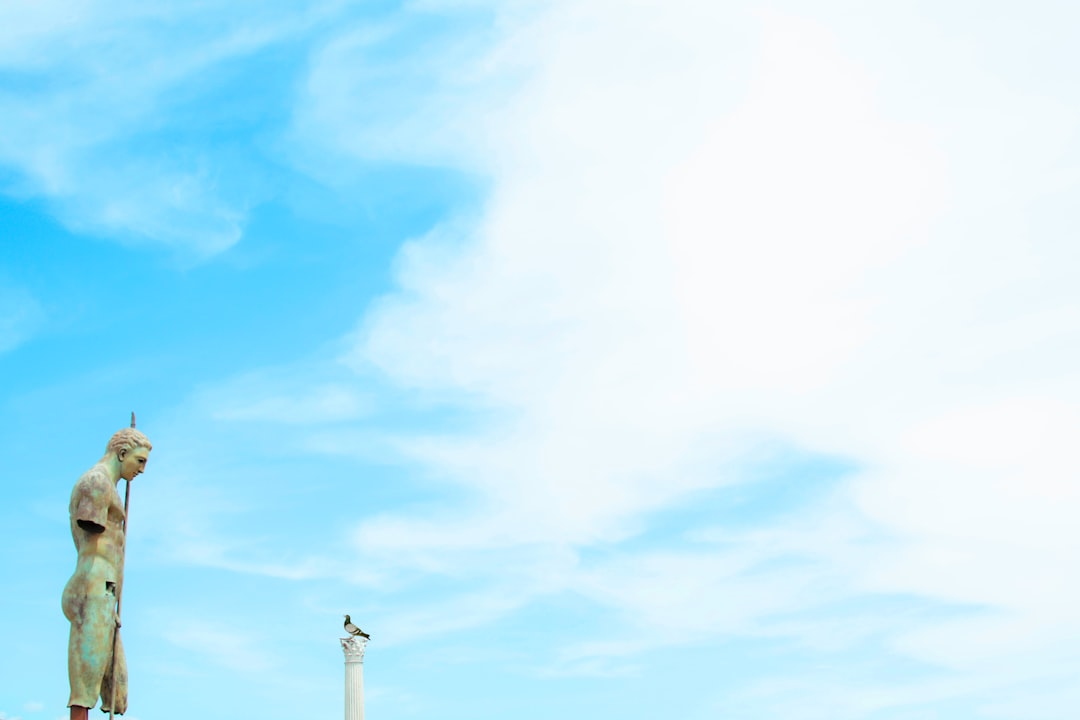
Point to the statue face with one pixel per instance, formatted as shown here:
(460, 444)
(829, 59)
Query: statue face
(133, 462)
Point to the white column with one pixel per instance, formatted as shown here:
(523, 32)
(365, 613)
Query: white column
(354, 676)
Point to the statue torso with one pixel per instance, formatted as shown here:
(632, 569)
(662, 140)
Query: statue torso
(101, 554)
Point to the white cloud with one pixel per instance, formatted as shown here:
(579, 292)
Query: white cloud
(634, 295)
(708, 227)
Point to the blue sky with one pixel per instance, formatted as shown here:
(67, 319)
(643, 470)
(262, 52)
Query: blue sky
(603, 359)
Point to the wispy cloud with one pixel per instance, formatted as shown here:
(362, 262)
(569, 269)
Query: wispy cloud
(106, 79)
(225, 647)
(208, 538)
(21, 315)
(287, 396)
(423, 62)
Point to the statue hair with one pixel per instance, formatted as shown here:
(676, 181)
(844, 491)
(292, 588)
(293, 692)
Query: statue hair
(127, 439)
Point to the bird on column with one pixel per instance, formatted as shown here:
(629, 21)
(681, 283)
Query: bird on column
(354, 630)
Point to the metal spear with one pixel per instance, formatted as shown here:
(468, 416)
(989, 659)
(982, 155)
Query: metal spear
(120, 592)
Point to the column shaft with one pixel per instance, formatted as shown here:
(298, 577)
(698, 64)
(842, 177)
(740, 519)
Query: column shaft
(354, 691)
(354, 676)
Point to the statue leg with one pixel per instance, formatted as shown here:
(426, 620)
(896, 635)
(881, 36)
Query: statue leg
(90, 647)
(118, 678)
(78, 712)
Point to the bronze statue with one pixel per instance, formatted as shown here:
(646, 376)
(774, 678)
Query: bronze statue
(96, 666)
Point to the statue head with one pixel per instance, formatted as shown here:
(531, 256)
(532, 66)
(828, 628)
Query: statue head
(131, 448)
(126, 440)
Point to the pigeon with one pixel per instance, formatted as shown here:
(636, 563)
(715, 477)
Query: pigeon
(354, 630)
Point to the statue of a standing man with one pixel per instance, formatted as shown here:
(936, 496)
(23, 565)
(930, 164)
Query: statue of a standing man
(89, 599)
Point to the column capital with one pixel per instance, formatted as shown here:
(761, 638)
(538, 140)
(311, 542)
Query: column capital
(353, 648)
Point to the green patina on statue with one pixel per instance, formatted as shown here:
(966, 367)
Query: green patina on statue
(96, 665)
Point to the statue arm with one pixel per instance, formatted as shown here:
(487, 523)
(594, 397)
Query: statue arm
(90, 506)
